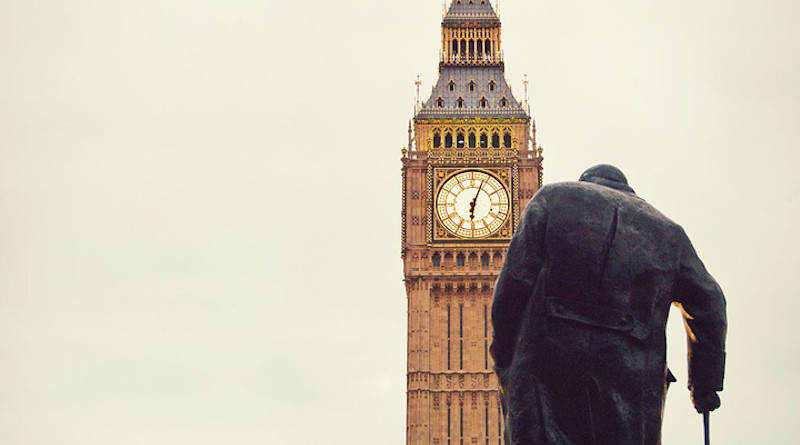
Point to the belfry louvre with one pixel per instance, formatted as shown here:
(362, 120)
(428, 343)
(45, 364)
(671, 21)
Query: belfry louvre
(470, 167)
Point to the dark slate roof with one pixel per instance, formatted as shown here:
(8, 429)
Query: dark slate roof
(470, 11)
(461, 76)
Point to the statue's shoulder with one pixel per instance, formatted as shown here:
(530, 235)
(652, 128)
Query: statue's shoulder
(567, 187)
(581, 196)
(568, 190)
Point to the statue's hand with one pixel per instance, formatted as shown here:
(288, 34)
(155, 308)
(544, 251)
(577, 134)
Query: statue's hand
(705, 399)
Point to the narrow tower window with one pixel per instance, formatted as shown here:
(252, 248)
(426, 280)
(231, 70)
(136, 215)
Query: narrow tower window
(503, 102)
(437, 140)
(449, 427)
(448, 337)
(507, 140)
(472, 140)
(484, 141)
(460, 140)
(488, 47)
(455, 48)
(451, 86)
(484, 102)
(463, 50)
(448, 140)
(471, 85)
(491, 85)
(461, 419)
(495, 141)
(460, 260)
(480, 48)
(485, 260)
(436, 260)
(460, 103)
(485, 336)
(460, 336)
(486, 422)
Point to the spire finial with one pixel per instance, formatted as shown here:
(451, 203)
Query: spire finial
(417, 83)
(410, 136)
(527, 103)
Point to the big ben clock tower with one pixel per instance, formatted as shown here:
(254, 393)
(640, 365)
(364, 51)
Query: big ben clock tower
(470, 167)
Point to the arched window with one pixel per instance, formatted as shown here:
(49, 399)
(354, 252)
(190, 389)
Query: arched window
(460, 103)
(484, 260)
(473, 259)
(480, 48)
(448, 140)
(471, 85)
(436, 260)
(440, 103)
(484, 140)
(448, 260)
(461, 260)
(460, 140)
(471, 49)
(507, 140)
(455, 48)
(437, 140)
(451, 86)
(471, 140)
(484, 103)
(463, 50)
(495, 140)
(488, 47)
(492, 85)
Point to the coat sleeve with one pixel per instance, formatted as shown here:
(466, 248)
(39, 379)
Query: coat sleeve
(517, 280)
(704, 313)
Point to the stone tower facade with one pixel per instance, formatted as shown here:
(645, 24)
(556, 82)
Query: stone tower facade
(470, 167)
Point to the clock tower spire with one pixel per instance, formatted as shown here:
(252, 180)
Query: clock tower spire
(472, 166)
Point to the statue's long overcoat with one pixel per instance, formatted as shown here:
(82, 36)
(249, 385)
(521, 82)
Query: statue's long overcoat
(579, 313)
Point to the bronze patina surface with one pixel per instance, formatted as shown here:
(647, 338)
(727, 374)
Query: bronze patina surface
(579, 313)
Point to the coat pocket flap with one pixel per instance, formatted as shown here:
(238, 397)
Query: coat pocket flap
(597, 316)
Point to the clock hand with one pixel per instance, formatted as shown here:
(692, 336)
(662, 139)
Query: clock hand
(474, 201)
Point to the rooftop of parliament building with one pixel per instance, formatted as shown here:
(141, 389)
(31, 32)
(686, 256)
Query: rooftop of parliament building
(471, 71)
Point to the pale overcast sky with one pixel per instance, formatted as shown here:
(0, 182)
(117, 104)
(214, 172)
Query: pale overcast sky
(200, 202)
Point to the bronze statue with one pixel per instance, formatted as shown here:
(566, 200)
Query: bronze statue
(579, 313)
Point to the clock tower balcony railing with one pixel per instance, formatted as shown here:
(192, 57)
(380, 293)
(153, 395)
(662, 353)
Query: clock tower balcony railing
(475, 111)
(471, 59)
(473, 154)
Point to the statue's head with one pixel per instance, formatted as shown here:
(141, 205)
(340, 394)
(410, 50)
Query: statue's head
(607, 175)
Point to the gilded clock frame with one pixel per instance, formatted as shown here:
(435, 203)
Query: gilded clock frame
(438, 175)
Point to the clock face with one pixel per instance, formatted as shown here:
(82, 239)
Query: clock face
(472, 204)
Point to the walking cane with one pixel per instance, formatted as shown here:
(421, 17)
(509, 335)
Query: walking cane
(707, 436)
